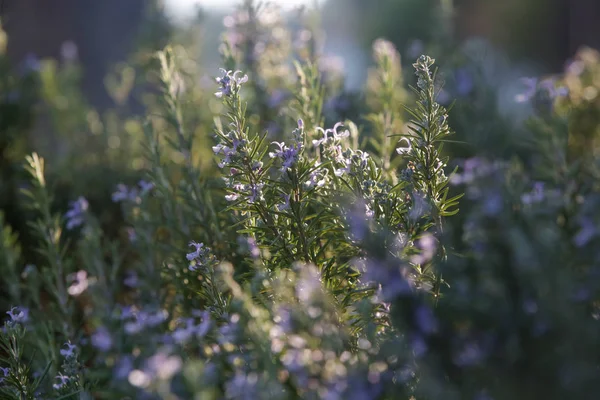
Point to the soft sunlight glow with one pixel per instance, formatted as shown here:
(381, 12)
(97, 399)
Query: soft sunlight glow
(182, 8)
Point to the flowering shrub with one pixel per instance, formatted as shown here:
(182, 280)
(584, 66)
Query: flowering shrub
(314, 258)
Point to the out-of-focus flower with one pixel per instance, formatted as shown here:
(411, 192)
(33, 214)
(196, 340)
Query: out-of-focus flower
(101, 339)
(464, 81)
(80, 283)
(68, 51)
(4, 372)
(530, 85)
(76, 214)
(18, 315)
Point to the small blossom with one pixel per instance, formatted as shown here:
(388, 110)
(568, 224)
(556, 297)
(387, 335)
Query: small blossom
(530, 90)
(122, 193)
(404, 150)
(249, 245)
(123, 367)
(62, 381)
(255, 193)
(425, 320)
(286, 203)
(464, 81)
(586, 233)
(197, 253)
(101, 339)
(76, 213)
(4, 372)
(132, 279)
(18, 315)
(427, 246)
(142, 320)
(200, 257)
(317, 178)
(70, 351)
(536, 196)
(145, 187)
(335, 135)
(229, 82)
(80, 283)
(288, 155)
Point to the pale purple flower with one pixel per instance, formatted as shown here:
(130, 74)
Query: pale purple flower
(276, 98)
(549, 86)
(309, 284)
(101, 339)
(419, 206)
(76, 213)
(288, 155)
(530, 90)
(242, 386)
(145, 187)
(121, 194)
(416, 48)
(200, 250)
(535, 196)
(464, 81)
(70, 351)
(286, 203)
(200, 257)
(325, 138)
(191, 329)
(418, 345)
(575, 68)
(131, 280)
(62, 381)
(392, 279)
(427, 246)
(358, 221)
(443, 97)
(493, 203)
(339, 136)
(162, 365)
(142, 320)
(123, 367)
(18, 315)
(131, 235)
(425, 320)
(229, 81)
(317, 178)
(255, 193)
(586, 233)
(5, 372)
(468, 355)
(253, 247)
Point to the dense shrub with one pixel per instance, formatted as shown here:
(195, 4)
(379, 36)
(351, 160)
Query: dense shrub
(267, 250)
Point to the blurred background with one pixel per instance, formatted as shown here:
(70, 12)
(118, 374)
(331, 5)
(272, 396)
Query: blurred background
(538, 35)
